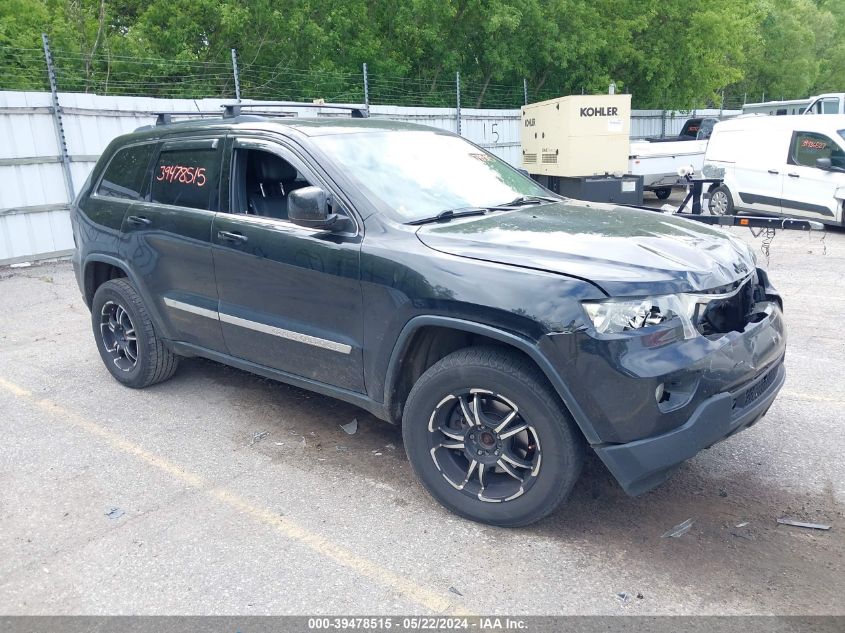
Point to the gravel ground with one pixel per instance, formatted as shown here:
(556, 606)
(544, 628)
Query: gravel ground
(220, 492)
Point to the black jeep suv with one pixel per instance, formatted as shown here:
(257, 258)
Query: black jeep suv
(406, 270)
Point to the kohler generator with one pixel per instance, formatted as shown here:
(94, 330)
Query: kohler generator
(578, 146)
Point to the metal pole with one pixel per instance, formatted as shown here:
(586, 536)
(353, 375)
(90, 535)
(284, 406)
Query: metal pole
(663, 124)
(235, 73)
(57, 120)
(525, 89)
(458, 101)
(366, 90)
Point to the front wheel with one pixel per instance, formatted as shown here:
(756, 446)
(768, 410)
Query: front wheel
(721, 202)
(489, 439)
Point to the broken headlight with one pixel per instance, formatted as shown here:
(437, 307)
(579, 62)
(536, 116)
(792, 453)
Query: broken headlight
(615, 316)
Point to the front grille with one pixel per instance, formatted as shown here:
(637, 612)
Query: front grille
(754, 391)
(730, 313)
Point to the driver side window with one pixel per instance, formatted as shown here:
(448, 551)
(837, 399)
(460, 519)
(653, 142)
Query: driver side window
(262, 182)
(809, 146)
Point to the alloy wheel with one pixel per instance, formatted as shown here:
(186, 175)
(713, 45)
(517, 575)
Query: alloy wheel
(483, 446)
(119, 337)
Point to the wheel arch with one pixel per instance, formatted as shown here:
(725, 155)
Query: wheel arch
(402, 369)
(99, 268)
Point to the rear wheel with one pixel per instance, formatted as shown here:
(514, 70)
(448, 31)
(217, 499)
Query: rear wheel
(663, 193)
(126, 338)
(489, 439)
(721, 202)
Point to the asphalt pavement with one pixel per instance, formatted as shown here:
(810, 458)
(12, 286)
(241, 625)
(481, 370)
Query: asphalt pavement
(220, 492)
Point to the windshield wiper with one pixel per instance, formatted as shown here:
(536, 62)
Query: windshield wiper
(524, 200)
(449, 214)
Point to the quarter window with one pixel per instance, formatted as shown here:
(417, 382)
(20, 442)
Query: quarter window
(186, 178)
(124, 177)
(807, 147)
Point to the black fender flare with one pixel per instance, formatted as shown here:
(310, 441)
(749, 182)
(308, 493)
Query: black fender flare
(135, 278)
(522, 344)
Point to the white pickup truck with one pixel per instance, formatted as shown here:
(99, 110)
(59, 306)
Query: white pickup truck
(657, 160)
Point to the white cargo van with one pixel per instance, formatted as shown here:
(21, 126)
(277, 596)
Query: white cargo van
(784, 165)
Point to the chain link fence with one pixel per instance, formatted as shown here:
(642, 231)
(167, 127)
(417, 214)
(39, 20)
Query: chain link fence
(116, 75)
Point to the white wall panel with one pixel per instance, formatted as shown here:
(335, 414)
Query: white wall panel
(92, 121)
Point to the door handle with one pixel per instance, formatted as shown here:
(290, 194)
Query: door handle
(229, 236)
(138, 220)
(773, 171)
(794, 175)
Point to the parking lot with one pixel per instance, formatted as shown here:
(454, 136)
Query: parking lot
(222, 492)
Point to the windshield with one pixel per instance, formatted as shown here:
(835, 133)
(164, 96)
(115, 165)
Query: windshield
(420, 174)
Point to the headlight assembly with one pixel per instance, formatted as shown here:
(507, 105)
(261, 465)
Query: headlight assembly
(616, 316)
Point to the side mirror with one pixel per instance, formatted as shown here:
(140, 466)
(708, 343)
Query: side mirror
(524, 172)
(824, 163)
(309, 206)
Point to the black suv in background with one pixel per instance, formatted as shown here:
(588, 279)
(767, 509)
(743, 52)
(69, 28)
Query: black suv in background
(405, 270)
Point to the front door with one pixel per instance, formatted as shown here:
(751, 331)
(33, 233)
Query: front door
(290, 296)
(809, 191)
(167, 237)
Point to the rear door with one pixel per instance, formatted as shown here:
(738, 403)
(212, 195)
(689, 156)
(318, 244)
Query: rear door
(167, 238)
(807, 190)
(290, 296)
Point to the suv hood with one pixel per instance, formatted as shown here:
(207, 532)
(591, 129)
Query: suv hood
(624, 251)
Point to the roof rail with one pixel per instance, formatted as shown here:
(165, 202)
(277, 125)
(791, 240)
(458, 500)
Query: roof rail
(234, 109)
(165, 118)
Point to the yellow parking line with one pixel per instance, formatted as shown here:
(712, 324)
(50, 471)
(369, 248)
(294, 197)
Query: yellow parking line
(288, 528)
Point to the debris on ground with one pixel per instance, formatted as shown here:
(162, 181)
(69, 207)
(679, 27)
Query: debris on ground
(341, 449)
(803, 524)
(679, 530)
(279, 443)
(723, 492)
(257, 437)
(390, 447)
(624, 596)
(376, 452)
(115, 513)
(741, 525)
(747, 536)
(640, 596)
(21, 265)
(350, 428)
(455, 591)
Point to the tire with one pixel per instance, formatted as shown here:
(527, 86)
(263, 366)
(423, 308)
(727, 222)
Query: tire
(502, 385)
(721, 201)
(663, 193)
(126, 338)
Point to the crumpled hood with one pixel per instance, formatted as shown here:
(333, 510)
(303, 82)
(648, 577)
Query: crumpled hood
(626, 252)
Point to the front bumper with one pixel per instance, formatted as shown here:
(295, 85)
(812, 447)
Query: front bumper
(641, 465)
(648, 401)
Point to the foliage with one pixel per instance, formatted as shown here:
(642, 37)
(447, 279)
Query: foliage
(667, 53)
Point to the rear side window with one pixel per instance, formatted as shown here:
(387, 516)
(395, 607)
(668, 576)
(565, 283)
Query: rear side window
(809, 146)
(124, 177)
(187, 178)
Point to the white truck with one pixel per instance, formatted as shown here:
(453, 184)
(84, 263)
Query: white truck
(658, 160)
